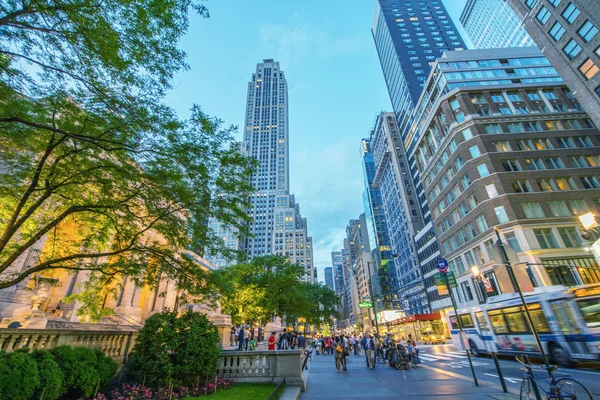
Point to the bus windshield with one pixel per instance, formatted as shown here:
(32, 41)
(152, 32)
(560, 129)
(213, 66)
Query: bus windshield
(590, 309)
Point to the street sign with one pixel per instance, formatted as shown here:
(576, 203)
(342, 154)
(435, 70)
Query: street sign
(441, 281)
(365, 304)
(451, 279)
(441, 265)
(464, 341)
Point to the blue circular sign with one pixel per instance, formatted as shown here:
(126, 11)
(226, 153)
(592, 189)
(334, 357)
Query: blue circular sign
(441, 265)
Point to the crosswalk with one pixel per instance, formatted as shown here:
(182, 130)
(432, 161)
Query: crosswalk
(451, 359)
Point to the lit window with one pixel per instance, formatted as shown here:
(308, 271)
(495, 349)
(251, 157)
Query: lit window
(572, 49)
(588, 69)
(587, 31)
(557, 31)
(571, 13)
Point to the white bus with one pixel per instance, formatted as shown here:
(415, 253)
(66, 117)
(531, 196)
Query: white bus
(567, 321)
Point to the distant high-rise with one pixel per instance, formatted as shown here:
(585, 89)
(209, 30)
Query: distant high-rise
(328, 273)
(409, 36)
(338, 272)
(492, 24)
(276, 226)
(567, 33)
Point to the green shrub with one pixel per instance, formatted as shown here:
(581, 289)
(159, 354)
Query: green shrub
(79, 366)
(184, 349)
(51, 376)
(106, 367)
(19, 376)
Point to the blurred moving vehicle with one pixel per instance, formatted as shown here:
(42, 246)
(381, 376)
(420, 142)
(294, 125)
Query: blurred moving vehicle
(567, 321)
(433, 338)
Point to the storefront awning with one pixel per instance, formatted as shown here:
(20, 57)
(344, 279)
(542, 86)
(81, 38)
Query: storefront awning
(416, 317)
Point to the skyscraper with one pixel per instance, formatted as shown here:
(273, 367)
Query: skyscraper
(276, 226)
(567, 33)
(338, 272)
(409, 35)
(492, 24)
(328, 273)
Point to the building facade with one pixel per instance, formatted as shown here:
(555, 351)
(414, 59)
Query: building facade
(328, 274)
(401, 209)
(276, 226)
(338, 272)
(492, 24)
(503, 143)
(567, 33)
(230, 240)
(409, 36)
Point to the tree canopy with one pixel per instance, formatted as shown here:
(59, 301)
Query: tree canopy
(92, 160)
(269, 286)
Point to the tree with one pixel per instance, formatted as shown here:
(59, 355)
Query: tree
(271, 286)
(92, 161)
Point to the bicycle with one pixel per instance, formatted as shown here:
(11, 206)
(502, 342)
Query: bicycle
(560, 389)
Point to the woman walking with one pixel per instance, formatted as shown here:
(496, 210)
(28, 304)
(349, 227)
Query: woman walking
(338, 353)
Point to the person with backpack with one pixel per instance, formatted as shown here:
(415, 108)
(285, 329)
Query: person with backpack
(338, 353)
(368, 344)
(346, 351)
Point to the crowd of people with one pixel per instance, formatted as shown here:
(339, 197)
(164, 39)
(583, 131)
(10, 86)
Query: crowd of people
(340, 347)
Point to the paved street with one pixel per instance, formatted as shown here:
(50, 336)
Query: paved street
(445, 374)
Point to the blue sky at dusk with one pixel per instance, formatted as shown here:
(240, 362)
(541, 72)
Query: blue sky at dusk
(335, 84)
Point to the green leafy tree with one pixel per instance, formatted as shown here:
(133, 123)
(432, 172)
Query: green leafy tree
(93, 160)
(51, 376)
(182, 349)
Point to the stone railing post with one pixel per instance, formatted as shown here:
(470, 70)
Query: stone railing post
(288, 366)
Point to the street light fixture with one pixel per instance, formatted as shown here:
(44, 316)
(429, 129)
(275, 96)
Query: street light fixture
(475, 271)
(588, 221)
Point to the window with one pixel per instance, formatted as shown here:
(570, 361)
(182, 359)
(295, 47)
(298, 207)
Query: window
(511, 165)
(483, 170)
(521, 186)
(512, 241)
(474, 150)
(587, 31)
(590, 182)
(555, 184)
(578, 206)
(501, 214)
(466, 288)
(554, 3)
(570, 237)
(545, 238)
(588, 69)
(491, 191)
(492, 128)
(557, 31)
(481, 223)
(543, 15)
(530, 3)
(502, 146)
(571, 13)
(533, 209)
(572, 49)
(559, 208)
(467, 134)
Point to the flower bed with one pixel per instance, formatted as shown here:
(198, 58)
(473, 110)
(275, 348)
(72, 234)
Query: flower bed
(137, 392)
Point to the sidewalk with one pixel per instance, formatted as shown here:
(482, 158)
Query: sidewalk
(385, 383)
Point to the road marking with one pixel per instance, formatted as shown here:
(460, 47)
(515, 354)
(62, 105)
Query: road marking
(511, 380)
(426, 358)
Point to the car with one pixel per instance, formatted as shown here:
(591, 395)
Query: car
(433, 338)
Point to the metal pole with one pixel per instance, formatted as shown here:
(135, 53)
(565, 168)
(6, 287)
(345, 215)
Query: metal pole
(500, 375)
(372, 299)
(459, 324)
(516, 286)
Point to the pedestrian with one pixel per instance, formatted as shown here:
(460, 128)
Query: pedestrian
(252, 345)
(354, 344)
(368, 344)
(338, 353)
(301, 341)
(272, 341)
(241, 338)
(237, 334)
(284, 341)
(346, 351)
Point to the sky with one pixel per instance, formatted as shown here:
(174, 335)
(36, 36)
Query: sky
(335, 87)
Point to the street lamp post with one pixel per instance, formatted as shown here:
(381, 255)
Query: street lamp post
(477, 275)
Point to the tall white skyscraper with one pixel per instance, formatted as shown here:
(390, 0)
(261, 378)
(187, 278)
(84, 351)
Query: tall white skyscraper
(276, 226)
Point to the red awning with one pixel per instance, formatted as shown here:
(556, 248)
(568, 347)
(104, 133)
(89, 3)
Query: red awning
(416, 317)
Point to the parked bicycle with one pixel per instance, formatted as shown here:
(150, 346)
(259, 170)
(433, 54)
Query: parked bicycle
(565, 388)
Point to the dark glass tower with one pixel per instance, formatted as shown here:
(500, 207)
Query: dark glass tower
(409, 35)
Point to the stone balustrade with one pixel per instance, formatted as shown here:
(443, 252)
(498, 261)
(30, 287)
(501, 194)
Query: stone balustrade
(262, 366)
(115, 344)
